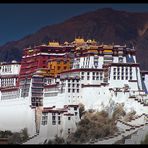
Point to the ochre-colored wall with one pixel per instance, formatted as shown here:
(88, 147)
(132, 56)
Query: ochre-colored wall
(59, 66)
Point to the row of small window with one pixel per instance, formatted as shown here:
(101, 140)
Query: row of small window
(60, 67)
(95, 58)
(73, 80)
(122, 78)
(122, 68)
(122, 73)
(48, 81)
(97, 78)
(6, 69)
(82, 73)
(9, 97)
(54, 120)
(93, 77)
(7, 80)
(36, 102)
(97, 73)
(73, 85)
(50, 94)
(45, 118)
(73, 90)
(54, 114)
(94, 73)
(59, 120)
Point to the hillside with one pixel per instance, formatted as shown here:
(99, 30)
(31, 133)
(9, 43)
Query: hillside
(104, 25)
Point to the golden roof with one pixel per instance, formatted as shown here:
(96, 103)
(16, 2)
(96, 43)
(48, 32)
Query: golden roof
(54, 44)
(79, 41)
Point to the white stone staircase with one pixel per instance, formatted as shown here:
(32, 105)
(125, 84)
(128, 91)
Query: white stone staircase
(132, 132)
(36, 139)
(137, 137)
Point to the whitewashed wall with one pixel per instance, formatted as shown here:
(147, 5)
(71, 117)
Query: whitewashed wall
(16, 115)
(146, 81)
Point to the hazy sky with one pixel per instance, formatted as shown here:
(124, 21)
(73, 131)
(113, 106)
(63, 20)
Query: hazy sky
(19, 20)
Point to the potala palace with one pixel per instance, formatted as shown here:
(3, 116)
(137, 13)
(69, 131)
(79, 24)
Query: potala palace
(42, 93)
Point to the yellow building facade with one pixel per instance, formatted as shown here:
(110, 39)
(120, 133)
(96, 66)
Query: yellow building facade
(58, 65)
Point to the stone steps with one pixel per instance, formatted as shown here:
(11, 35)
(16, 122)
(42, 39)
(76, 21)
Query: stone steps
(132, 135)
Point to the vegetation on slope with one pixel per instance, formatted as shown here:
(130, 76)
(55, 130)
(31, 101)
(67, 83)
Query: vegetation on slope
(92, 126)
(15, 138)
(5, 134)
(57, 140)
(95, 125)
